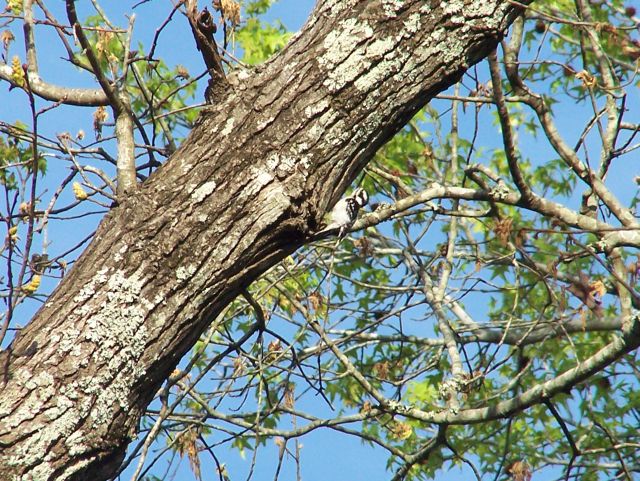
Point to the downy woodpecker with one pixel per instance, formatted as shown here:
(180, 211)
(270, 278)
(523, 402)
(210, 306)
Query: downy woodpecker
(345, 212)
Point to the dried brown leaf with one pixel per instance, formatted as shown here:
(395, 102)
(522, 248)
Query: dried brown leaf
(289, 396)
(238, 366)
(366, 407)
(364, 247)
(587, 79)
(381, 369)
(316, 300)
(401, 430)
(502, 230)
(519, 471)
(230, 12)
(274, 346)
(187, 444)
(521, 238)
(7, 37)
(100, 116)
(597, 289)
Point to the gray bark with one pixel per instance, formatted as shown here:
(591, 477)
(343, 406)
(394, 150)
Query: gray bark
(246, 189)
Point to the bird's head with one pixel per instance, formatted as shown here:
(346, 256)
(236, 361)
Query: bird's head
(360, 196)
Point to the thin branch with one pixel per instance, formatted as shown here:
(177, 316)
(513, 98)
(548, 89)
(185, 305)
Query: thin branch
(528, 197)
(575, 451)
(106, 85)
(538, 104)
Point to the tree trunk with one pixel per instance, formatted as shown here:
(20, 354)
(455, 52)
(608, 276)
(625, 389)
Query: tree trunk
(246, 189)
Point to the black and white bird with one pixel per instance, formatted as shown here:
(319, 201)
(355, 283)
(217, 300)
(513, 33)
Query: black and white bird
(345, 213)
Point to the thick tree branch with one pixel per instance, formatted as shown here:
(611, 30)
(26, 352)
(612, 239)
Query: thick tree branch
(501, 194)
(29, 37)
(203, 27)
(537, 394)
(119, 101)
(126, 163)
(489, 334)
(56, 93)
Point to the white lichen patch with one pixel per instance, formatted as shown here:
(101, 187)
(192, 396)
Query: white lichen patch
(305, 163)
(381, 47)
(203, 191)
(228, 126)
(119, 255)
(63, 427)
(101, 276)
(64, 420)
(319, 107)
(277, 201)
(114, 395)
(317, 130)
(452, 52)
(41, 471)
(184, 273)
(374, 75)
(287, 164)
(351, 57)
(339, 44)
(73, 442)
(159, 299)
(116, 316)
(118, 321)
(272, 161)
(41, 380)
(483, 9)
(265, 122)
(68, 341)
(345, 72)
(118, 326)
(63, 404)
(262, 179)
(412, 24)
(185, 165)
(282, 164)
(457, 20)
(452, 6)
(336, 134)
(391, 7)
(85, 293)
(243, 74)
(334, 8)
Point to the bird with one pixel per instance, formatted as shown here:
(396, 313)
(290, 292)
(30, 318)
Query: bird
(345, 213)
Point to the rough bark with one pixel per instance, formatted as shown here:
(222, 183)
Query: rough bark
(245, 189)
